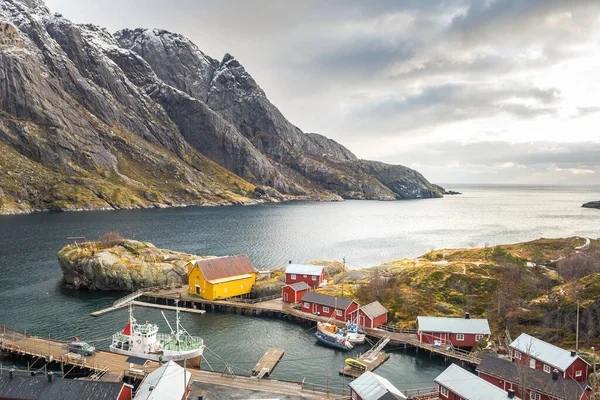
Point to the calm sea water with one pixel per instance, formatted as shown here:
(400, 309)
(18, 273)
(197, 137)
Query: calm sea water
(33, 296)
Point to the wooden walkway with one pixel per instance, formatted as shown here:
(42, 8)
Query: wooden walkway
(146, 304)
(267, 362)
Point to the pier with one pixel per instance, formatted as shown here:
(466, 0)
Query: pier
(371, 359)
(146, 304)
(267, 362)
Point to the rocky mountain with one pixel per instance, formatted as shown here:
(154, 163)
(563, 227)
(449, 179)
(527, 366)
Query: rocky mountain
(143, 118)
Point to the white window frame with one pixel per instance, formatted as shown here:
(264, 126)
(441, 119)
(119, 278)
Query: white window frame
(325, 309)
(353, 395)
(517, 354)
(578, 373)
(304, 276)
(293, 277)
(314, 277)
(338, 313)
(460, 337)
(306, 304)
(478, 337)
(535, 396)
(443, 391)
(547, 369)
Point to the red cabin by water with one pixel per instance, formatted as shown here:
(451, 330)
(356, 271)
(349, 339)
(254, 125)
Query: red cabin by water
(370, 316)
(328, 306)
(293, 293)
(458, 332)
(312, 275)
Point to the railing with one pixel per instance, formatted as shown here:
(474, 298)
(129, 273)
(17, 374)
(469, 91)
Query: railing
(397, 330)
(131, 296)
(253, 301)
(422, 394)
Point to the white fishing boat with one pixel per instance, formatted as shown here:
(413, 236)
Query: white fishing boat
(351, 333)
(144, 341)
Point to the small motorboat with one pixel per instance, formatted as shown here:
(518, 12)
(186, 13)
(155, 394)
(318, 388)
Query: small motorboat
(336, 343)
(354, 333)
(354, 363)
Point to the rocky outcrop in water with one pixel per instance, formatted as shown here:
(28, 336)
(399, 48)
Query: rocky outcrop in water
(143, 118)
(592, 204)
(127, 265)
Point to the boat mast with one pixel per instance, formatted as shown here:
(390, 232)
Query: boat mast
(177, 322)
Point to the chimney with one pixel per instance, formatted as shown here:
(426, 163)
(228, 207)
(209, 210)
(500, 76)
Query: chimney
(289, 262)
(554, 374)
(573, 354)
(11, 373)
(151, 388)
(50, 376)
(511, 394)
(467, 316)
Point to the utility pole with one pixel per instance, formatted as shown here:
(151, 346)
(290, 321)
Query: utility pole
(343, 272)
(577, 329)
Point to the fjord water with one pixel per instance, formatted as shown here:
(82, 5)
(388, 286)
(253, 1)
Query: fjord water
(34, 297)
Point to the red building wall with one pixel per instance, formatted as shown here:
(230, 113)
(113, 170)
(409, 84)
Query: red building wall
(577, 365)
(126, 393)
(451, 395)
(308, 279)
(367, 322)
(445, 338)
(317, 308)
(515, 386)
(291, 296)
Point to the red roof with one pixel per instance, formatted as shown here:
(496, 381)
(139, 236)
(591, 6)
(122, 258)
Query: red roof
(225, 267)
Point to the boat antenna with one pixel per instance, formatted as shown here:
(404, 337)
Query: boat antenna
(167, 321)
(177, 321)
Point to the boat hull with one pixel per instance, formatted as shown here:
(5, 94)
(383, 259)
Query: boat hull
(326, 329)
(332, 342)
(194, 356)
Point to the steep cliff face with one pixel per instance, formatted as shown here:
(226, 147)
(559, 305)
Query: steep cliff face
(144, 118)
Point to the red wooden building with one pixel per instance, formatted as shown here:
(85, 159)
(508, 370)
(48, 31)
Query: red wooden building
(456, 383)
(328, 306)
(293, 293)
(312, 275)
(458, 332)
(537, 354)
(531, 383)
(370, 316)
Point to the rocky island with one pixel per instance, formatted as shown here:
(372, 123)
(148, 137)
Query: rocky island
(592, 204)
(531, 286)
(143, 118)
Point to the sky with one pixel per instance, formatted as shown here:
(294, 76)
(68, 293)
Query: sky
(464, 91)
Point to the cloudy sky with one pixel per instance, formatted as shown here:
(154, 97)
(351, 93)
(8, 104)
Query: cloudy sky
(503, 91)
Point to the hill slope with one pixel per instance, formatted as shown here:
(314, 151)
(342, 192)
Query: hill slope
(143, 118)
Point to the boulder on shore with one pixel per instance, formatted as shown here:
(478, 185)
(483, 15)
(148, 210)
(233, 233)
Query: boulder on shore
(123, 265)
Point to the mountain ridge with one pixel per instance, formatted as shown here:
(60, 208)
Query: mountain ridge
(144, 118)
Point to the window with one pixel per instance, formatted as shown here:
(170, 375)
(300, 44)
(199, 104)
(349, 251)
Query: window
(241, 287)
(224, 290)
(577, 373)
(535, 396)
(338, 313)
(517, 355)
(547, 368)
(304, 276)
(478, 337)
(314, 277)
(306, 305)
(443, 391)
(293, 277)
(325, 309)
(460, 336)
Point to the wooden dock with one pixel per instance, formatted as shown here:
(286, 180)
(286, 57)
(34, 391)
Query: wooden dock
(146, 304)
(267, 362)
(373, 358)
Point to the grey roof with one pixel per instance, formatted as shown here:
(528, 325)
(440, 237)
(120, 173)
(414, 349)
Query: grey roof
(373, 310)
(329, 301)
(38, 387)
(301, 269)
(454, 325)
(298, 286)
(535, 379)
(164, 383)
(370, 386)
(548, 353)
(468, 385)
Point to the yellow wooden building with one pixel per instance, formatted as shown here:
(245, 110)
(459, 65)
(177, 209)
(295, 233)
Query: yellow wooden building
(221, 277)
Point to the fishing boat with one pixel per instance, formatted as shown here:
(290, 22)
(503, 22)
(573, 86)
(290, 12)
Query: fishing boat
(336, 343)
(351, 333)
(144, 341)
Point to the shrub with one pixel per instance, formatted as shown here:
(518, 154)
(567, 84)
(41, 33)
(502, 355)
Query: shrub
(110, 239)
